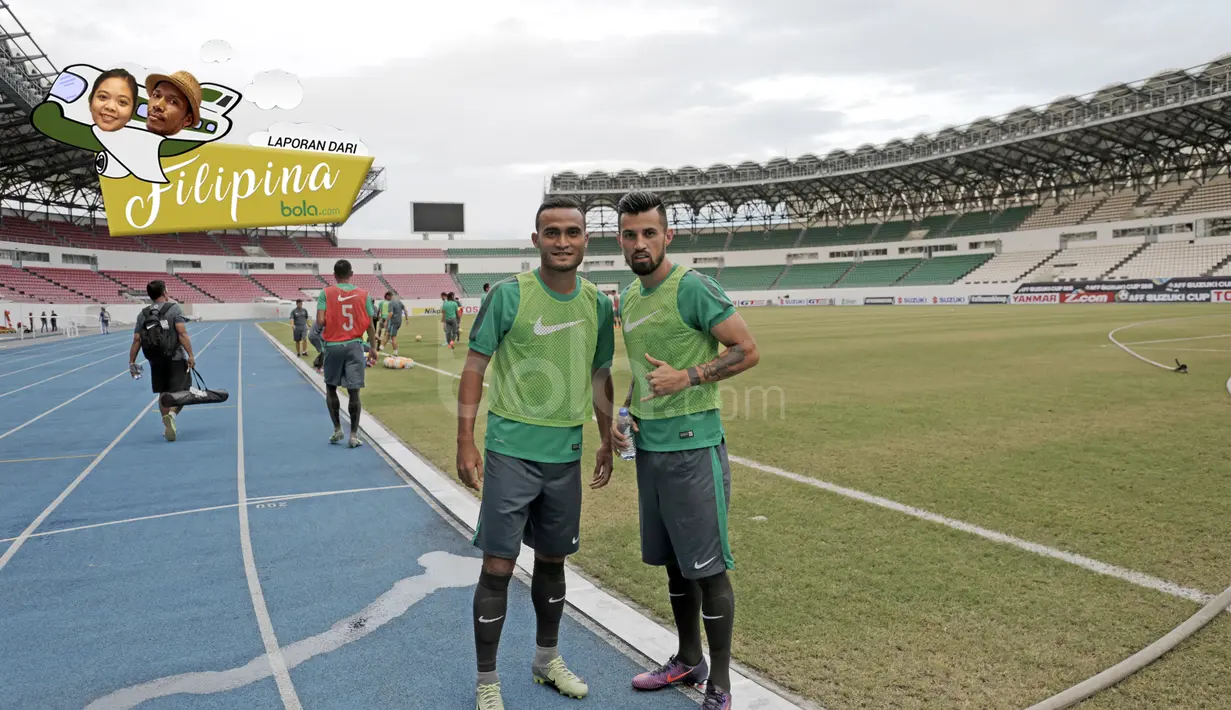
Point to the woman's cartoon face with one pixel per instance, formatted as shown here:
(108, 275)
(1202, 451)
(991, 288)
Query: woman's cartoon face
(112, 104)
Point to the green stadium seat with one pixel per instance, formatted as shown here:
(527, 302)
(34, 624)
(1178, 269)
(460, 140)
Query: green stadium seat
(749, 278)
(699, 242)
(877, 273)
(813, 275)
(943, 270)
(893, 231)
(472, 284)
(773, 239)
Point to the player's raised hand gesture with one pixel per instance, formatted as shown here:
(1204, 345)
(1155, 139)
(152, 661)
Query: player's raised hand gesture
(664, 379)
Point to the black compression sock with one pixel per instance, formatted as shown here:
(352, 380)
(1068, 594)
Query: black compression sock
(491, 598)
(686, 608)
(335, 406)
(547, 592)
(718, 613)
(354, 408)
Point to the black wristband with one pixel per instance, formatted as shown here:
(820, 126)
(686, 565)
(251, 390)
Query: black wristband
(694, 378)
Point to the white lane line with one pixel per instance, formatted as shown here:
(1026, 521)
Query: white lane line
(39, 350)
(1133, 577)
(273, 651)
(1179, 340)
(49, 458)
(25, 534)
(67, 402)
(52, 362)
(228, 506)
(300, 496)
(62, 374)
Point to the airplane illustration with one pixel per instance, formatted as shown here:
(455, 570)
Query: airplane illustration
(64, 116)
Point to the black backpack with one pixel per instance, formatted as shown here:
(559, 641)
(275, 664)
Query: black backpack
(159, 340)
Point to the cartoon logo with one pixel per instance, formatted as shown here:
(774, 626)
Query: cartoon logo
(130, 126)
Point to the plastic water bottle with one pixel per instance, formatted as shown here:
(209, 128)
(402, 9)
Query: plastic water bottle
(624, 423)
(135, 370)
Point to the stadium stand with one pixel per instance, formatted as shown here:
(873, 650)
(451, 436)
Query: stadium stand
(749, 278)
(603, 246)
(603, 277)
(425, 285)
(813, 275)
(89, 284)
(198, 243)
(942, 270)
(1051, 215)
(835, 236)
(1224, 270)
(136, 282)
(1163, 201)
(891, 231)
(279, 246)
(226, 288)
(289, 286)
(19, 229)
(484, 252)
(417, 253)
(472, 284)
(1085, 263)
(773, 239)
(1114, 208)
(165, 244)
(372, 284)
(321, 248)
(702, 242)
(1172, 260)
(99, 238)
(233, 244)
(1213, 196)
(35, 289)
(883, 272)
(1007, 268)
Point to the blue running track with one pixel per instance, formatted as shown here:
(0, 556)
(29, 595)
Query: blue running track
(123, 575)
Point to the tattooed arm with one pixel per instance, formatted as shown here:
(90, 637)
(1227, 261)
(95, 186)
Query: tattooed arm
(741, 353)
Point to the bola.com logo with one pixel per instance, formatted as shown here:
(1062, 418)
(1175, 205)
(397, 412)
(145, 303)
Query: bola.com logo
(303, 209)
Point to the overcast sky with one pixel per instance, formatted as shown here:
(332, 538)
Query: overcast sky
(479, 101)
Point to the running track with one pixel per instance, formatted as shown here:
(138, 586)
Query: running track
(248, 565)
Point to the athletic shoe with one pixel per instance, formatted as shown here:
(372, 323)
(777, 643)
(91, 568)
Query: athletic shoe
(337, 436)
(716, 699)
(487, 697)
(557, 675)
(168, 422)
(673, 672)
(354, 442)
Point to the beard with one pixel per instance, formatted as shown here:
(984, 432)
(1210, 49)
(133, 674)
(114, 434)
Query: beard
(641, 268)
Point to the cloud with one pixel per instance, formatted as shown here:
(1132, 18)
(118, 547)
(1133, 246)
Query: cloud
(274, 89)
(216, 51)
(309, 137)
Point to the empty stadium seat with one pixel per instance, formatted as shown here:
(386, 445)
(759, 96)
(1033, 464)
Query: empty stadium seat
(1214, 196)
(877, 273)
(19, 229)
(942, 270)
(749, 278)
(32, 288)
(425, 285)
(280, 246)
(227, 288)
(322, 248)
(289, 286)
(1084, 263)
(1172, 260)
(414, 253)
(1007, 268)
(773, 239)
(100, 239)
(472, 284)
(136, 281)
(367, 282)
(88, 283)
(821, 275)
(197, 243)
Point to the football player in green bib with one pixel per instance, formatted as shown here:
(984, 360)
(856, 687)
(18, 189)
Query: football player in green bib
(674, 319)
(549, 339)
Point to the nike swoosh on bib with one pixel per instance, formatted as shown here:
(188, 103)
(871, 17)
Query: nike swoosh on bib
(340, 299)
(540, 329)
(633, 325)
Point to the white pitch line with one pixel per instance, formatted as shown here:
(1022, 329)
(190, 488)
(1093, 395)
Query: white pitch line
(25, 534)
(62, 374)
(67, 402)
(228, 506)
(1177, 340)
(273, 651)
(1133, 577)
(1185, 350)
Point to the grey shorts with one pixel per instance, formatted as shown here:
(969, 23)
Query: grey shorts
(345, 365)
(531, 502)
(684, 497)
(299, 333)
(395, 324)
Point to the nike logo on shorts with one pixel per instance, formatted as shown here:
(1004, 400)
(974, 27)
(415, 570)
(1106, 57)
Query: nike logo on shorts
(488, 621)
(631, 325)
(699, 565)
(555, 601)
(540, 329)
(575, 540)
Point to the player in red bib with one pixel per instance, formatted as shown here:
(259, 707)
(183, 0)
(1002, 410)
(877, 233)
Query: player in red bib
(345, 312)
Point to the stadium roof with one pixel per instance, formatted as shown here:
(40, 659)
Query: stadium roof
(39, 173)
(1175, 124)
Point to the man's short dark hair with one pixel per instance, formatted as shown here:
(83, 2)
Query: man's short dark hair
(388, 295)
(557, 202)
(156, 289)
(640, 201)
(341, 269)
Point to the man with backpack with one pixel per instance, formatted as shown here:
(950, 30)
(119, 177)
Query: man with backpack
(161, 335)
